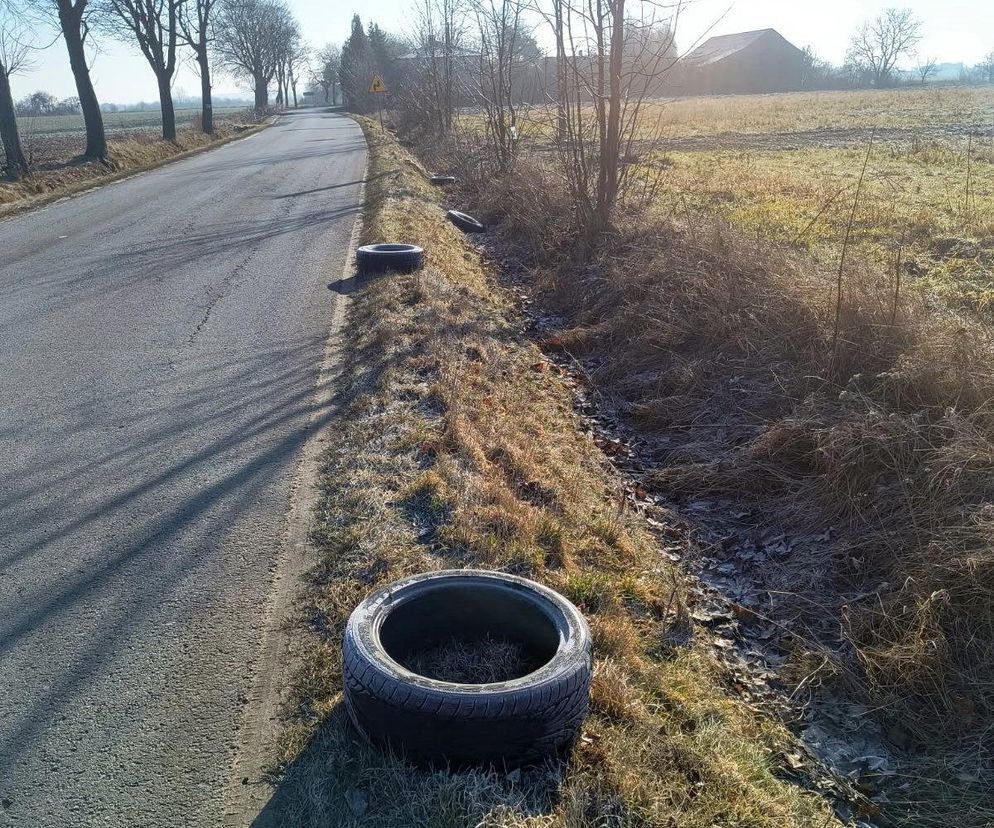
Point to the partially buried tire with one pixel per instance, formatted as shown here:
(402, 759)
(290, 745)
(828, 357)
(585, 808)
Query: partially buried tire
(374, 259)
(465, 222)
(520, 720)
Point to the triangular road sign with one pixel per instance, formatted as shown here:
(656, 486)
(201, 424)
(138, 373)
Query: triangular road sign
(377, 85)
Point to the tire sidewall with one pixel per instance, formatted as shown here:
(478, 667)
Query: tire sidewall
(365, 622)
(465, 222)
(437, 723)
(370, 260)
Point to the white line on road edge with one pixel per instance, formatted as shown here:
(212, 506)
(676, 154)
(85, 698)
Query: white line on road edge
(248, 792)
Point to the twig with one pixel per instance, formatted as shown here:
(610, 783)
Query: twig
(845, 246)
(897, 279)
(969, 170)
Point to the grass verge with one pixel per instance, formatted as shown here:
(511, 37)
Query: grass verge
(126, 156)
(459, 447)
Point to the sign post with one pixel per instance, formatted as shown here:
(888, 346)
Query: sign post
(378, 87)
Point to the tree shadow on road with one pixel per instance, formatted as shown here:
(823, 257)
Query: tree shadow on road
(149, 542)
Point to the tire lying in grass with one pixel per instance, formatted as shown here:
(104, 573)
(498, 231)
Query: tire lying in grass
(532, 713)
(442, 180)
(466, 223)
(374, 259)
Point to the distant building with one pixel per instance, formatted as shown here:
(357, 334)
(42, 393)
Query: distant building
(423, 53)
(761, 61)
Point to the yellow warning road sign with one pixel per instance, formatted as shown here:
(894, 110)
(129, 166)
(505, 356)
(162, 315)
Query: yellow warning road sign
(377, 85)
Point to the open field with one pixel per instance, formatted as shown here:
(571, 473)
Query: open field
(925, 210)
(786, 168)
(951, 109)
(955, 108)
(49, 139)
(114, 122)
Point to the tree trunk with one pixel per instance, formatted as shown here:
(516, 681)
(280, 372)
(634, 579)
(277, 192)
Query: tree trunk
(166, 105)
(17, 165)
(96, 139)
(207, 102)
(293, 85)
(261, 95)
(611, 148)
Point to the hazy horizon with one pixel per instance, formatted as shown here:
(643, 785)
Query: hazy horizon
(956, 31)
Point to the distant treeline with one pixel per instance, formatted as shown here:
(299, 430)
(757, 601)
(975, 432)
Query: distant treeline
(42, 103)
(178, 102)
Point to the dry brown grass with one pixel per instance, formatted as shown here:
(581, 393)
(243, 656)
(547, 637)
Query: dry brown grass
(928, 203)
(718, 350)
(472, 661)
(459, 448)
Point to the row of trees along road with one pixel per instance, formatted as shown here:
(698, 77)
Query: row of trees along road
(256, 40)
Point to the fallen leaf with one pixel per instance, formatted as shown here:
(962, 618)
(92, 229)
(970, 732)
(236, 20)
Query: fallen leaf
(794, 761)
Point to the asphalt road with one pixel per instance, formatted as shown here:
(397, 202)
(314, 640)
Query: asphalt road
(160, 341)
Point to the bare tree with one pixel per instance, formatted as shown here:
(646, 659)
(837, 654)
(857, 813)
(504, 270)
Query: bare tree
(611, 56)
(986, 67)
(154, 26)
(15, 49)
(298, 61)
(877, 47)
(324, 71)
(926, 67)
(196, 21)
(439, 36)
(250, 39)
(73, 18)
(499, 26)
(287, 64)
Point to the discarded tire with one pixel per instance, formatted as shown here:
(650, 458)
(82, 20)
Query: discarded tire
(443, 180)
(466, 223)
(514, 722)
(384, 258)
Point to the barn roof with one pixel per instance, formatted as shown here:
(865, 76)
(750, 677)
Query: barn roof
(718, 48)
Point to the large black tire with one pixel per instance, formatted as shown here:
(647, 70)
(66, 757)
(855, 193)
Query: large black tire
(443, 180)
(374, 259)
(511, 723)
(464, 222)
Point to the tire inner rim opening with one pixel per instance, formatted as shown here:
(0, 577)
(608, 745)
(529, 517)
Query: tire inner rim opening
(478, 634)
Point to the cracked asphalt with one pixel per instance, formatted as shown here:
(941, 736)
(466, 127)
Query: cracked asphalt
(160, 344)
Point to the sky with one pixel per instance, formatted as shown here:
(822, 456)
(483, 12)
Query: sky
(954, 31)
